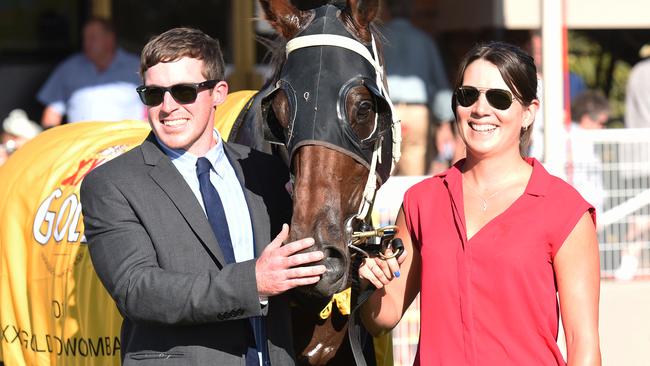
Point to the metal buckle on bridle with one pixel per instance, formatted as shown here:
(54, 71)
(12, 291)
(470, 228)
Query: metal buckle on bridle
(369, 242)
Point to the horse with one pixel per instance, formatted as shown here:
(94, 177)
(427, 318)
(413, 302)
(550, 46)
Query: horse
(328, 106)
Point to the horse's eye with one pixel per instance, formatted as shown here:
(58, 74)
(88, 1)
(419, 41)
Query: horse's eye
(363, 123)
(364, 109)
(360, 111)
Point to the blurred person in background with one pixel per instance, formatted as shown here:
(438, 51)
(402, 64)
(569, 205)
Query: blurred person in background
(637, 115)
(637, 94)
(449, 147)
(17, 129)
(589, 111)
(97, 84)
(415, 73)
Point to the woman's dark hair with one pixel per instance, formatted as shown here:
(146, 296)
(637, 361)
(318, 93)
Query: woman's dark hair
(517, 68)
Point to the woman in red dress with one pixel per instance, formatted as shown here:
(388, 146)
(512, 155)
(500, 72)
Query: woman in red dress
(493, 241)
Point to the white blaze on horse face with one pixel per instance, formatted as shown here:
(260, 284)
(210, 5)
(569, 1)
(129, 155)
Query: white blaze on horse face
(184, 126)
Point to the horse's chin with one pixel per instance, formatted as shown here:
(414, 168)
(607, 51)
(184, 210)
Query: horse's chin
(326, 287)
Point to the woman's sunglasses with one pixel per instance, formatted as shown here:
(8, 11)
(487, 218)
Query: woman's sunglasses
(497, 98)
(182, 93)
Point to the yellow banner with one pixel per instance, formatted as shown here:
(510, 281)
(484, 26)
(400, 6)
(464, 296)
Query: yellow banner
(54, 310)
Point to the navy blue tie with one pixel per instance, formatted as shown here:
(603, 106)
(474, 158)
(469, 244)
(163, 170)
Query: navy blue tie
(214, 209)
(217, 218)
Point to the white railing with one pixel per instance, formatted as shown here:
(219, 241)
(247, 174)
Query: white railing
(614, 176)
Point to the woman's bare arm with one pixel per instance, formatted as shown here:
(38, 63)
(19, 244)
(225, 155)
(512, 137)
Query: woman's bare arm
(577, 270)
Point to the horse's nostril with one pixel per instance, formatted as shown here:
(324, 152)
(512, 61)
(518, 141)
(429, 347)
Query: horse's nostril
(335, 262)
(333, 253)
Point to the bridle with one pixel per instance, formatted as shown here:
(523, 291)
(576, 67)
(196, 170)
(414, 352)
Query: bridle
(362, 238)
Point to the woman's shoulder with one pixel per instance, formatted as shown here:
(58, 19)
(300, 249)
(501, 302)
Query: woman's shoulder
(561, 206)
(560, 197)
(556, 188)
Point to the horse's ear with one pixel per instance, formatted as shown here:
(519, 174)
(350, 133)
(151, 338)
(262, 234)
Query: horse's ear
(363, 11)
(283, 16)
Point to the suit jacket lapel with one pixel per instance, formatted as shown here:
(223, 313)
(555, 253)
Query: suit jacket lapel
(171, 181)
(256, 207)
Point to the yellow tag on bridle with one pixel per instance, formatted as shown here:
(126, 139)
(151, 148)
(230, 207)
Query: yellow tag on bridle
(342, 300)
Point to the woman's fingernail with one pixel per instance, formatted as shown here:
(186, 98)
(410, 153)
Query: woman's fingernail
(396, 274)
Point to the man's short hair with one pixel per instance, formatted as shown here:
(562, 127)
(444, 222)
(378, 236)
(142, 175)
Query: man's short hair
(177, 43)
(105, 23)
(591, 103)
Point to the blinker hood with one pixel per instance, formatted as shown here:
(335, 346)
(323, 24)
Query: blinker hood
(316, 81)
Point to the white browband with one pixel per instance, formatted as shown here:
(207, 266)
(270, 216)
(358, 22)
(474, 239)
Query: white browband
(333, 40)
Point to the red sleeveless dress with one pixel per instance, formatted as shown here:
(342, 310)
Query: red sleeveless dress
(491, 300)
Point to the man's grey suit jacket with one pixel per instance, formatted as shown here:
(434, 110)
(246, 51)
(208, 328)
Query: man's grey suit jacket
(154, 250)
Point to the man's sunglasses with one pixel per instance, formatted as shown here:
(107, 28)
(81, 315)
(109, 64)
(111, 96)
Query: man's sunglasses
(182, 93)
(498, 98)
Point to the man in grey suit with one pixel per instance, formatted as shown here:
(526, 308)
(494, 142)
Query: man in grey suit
(179, 228)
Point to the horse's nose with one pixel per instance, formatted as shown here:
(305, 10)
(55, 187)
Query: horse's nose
(335, 262)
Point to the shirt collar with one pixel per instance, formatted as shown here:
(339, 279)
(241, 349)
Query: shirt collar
(539, 180)
(215, 155)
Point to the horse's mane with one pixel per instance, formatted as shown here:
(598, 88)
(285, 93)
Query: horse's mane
(275, 55)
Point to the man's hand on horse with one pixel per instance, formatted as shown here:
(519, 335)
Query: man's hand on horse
(283, 267)
(380, 271)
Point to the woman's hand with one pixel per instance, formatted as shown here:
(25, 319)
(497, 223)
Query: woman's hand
(380, 272)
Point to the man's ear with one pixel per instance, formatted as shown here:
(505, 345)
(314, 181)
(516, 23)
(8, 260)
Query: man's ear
(219, 93)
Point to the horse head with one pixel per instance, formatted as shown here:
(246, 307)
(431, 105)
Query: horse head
(330, 108)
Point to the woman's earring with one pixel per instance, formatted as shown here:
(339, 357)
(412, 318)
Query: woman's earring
(525, 128)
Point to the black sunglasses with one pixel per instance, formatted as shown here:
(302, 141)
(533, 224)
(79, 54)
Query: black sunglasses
(497, 98)
(182, 93)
